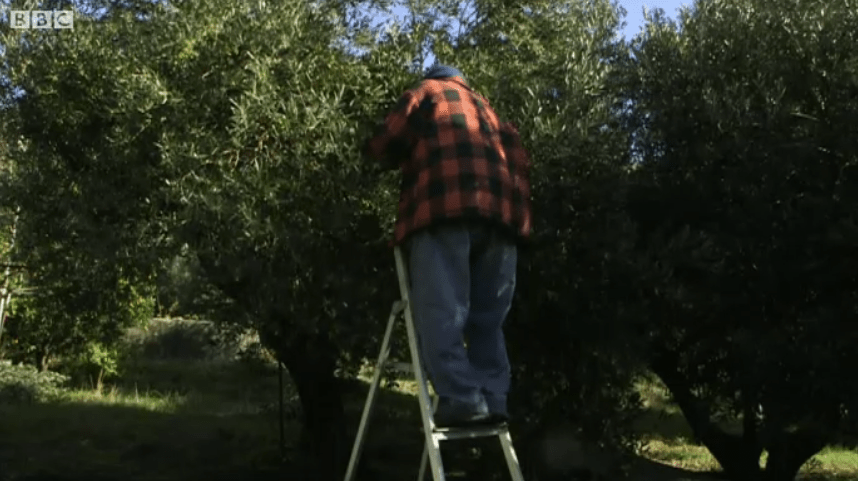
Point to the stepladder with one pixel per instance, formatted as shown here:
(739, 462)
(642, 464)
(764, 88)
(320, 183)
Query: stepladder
(433, 434)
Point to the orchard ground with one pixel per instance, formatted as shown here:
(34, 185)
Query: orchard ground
(172, 420)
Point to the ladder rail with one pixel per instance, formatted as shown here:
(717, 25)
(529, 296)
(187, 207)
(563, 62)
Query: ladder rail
(369, 405)
(425, 458)
(426, 410)
(510, 456)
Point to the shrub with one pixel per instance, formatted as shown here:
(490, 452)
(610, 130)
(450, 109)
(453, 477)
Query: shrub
(176, 339)
(94, 364)
(257, 358)
(25, 384)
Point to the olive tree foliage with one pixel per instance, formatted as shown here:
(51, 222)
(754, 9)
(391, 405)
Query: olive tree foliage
(746, 200)
(284, 215)
(10, 269)
(263, 167)
(58, 102)
(230, 131)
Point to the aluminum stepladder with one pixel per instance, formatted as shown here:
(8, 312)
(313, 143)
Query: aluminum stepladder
(433, 435)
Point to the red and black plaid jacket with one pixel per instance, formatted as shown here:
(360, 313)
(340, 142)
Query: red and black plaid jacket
(458, 160)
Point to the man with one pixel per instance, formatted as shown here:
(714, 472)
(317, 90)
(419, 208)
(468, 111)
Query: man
(464, 206)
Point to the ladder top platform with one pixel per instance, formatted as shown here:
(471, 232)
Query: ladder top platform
(445, 434)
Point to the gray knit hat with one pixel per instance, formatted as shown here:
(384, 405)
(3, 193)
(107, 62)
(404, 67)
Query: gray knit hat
(443, 71)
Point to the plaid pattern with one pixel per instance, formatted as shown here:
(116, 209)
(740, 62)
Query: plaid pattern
(458, 160)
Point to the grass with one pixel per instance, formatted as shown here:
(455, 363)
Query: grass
(199, 420)
(169, 421)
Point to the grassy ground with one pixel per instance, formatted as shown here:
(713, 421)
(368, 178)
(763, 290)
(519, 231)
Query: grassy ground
(209, 421)
(167, 421)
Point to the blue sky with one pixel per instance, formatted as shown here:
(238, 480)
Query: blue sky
(634, 9)
(634, 14)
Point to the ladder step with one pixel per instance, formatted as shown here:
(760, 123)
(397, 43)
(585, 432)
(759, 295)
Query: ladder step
(445, 434)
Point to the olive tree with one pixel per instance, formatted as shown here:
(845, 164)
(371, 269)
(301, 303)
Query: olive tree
(230, 129)
(746, 202)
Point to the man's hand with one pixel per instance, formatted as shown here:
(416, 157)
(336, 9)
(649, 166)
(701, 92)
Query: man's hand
(385, 162)
(392, 140)
(364, 150)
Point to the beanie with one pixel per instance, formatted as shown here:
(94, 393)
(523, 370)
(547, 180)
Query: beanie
(442, 71)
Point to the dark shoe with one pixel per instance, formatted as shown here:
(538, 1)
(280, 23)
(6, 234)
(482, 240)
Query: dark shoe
(498, 418)
(452, 414)
(497, 408)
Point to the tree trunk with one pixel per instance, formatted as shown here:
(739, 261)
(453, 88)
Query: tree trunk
(737, 455)
(6, 291)
(311, 363)
(43, 360)
(311, 360)
(789, 451)
(99, 383)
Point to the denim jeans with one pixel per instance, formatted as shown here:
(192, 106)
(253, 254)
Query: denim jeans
(462, 283)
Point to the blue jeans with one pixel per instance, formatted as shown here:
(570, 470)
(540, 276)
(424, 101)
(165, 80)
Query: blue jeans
(462, 283)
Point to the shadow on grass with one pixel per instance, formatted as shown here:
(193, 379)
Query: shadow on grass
(187, 421)
(209, 387)
(394, 446)
(164, 421)
(171, 422)
(88, 441)
(649, 470)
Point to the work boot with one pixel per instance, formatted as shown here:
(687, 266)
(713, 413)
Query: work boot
(457, 414)
(496, 406)
(498, 418)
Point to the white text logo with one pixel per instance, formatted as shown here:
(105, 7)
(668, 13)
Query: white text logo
(41, 19)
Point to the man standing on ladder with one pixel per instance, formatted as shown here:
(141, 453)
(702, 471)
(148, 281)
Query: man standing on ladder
(463, 210)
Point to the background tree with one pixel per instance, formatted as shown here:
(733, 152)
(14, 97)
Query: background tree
(746, 199)
(232, 130)
(86, 290)
(276, 202)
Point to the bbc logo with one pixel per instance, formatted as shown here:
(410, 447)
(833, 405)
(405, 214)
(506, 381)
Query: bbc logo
(41, 19)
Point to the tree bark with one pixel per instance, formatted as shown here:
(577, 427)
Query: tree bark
(311, 361)
(737, 455)
(789, 451)
(6, 291)
(43, 359)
